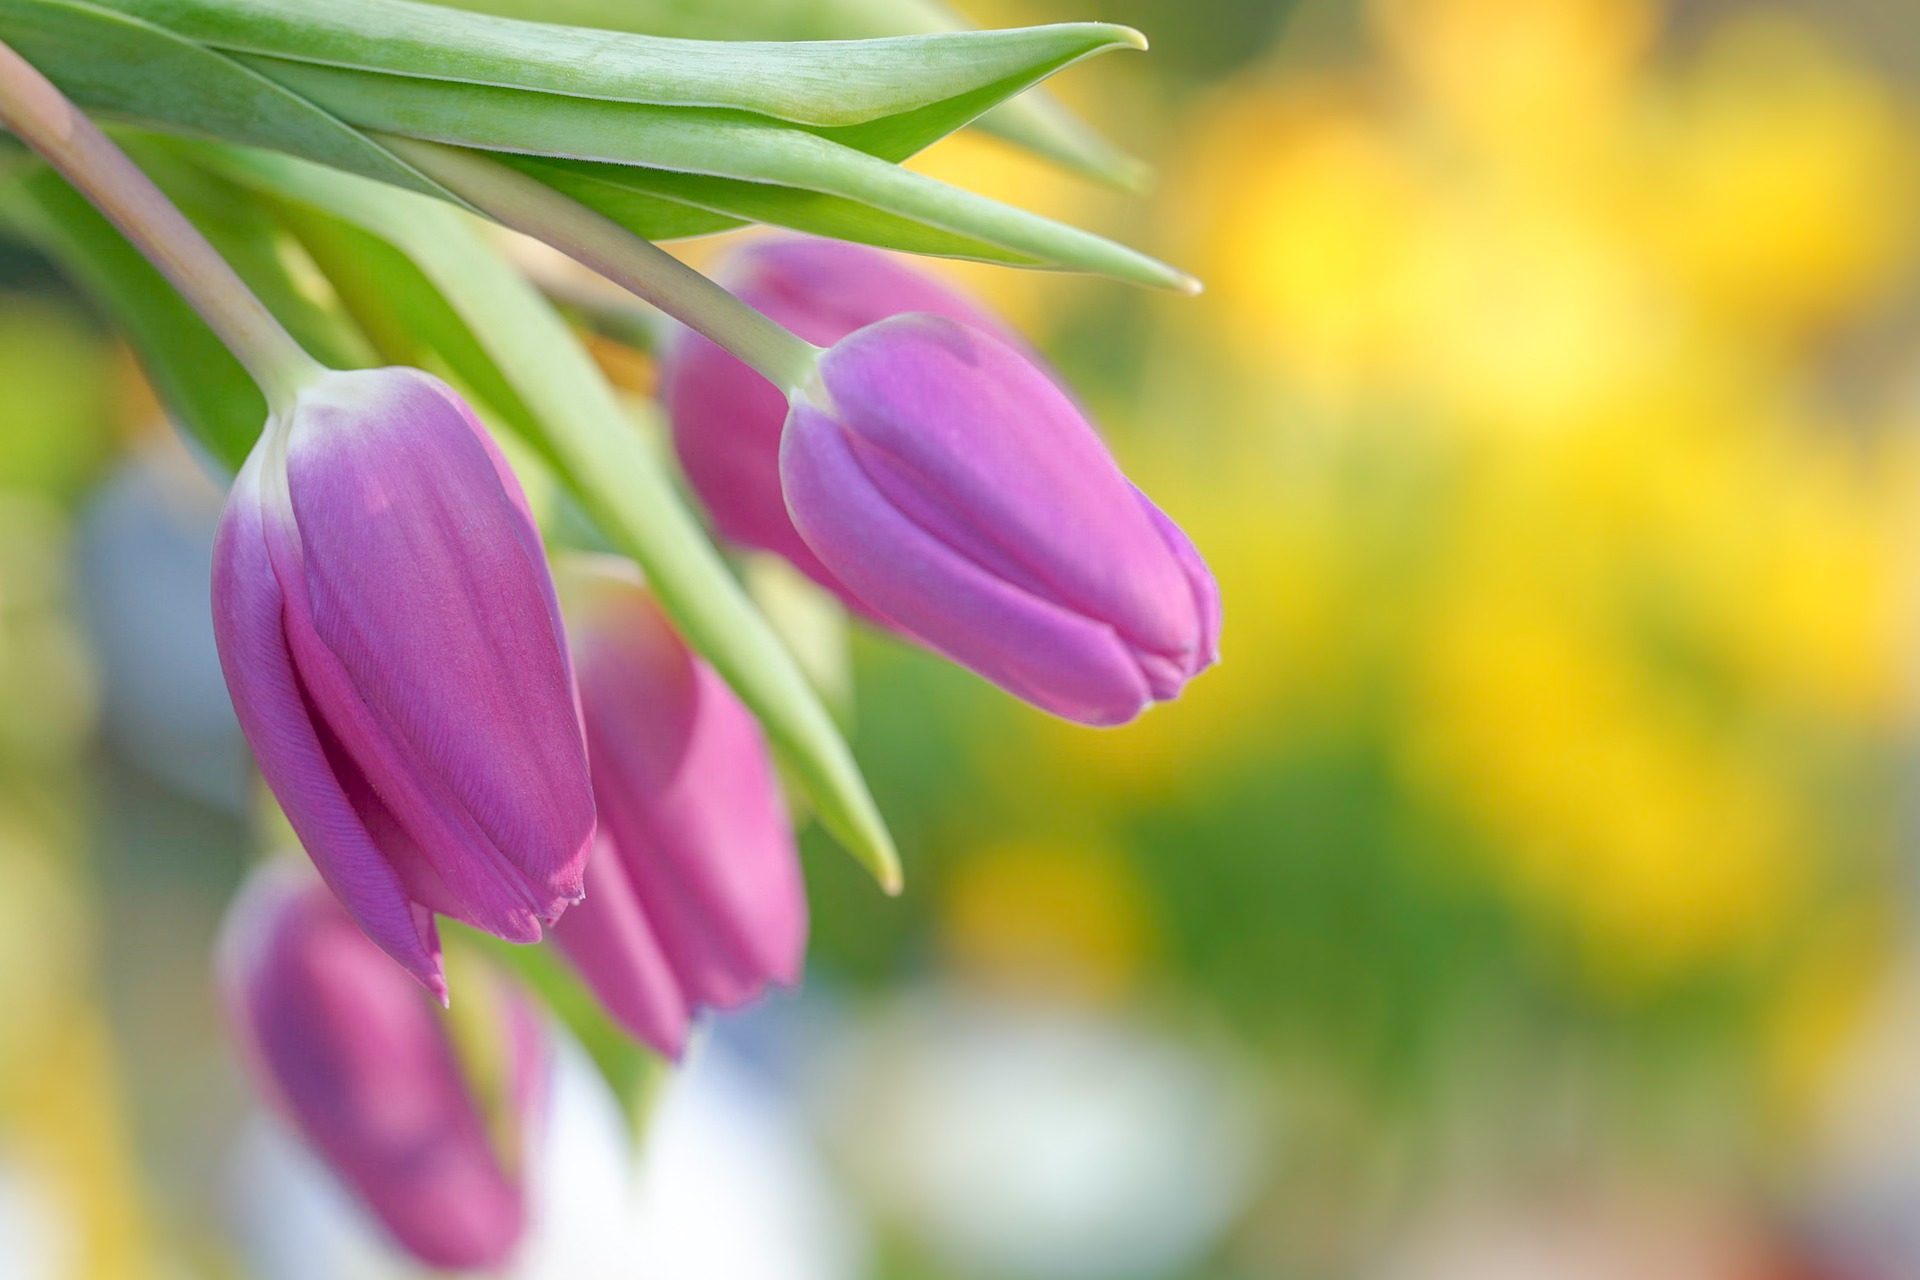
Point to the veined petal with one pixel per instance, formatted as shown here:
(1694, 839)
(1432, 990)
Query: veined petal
(431, 645)
(727, 419)
(250, 630)
(726, 429)
(690, 803)
(1051, 655)
(610, 940)
(969, 439)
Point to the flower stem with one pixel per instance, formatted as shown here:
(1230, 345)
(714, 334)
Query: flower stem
(42, 117)
(526, 204)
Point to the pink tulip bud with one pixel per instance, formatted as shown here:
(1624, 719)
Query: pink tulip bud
(359, 1061)
(694, 896)
(726, 418)
(953, 486)
(392, 643)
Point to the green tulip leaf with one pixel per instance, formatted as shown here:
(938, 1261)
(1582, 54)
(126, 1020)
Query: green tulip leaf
(749, 152)
(827, 82)
(689, 169)
(1035, 120)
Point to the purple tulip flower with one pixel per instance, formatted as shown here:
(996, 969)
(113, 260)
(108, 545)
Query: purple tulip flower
(941, 481)
(394, 649)
(954, 487)
(359, 1061)
(726, 418)
(694, 896)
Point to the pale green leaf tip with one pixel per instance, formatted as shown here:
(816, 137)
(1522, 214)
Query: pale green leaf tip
(1160, 275)
(884, 864)
(1097, 37)
(1114, 34)
(863, 834)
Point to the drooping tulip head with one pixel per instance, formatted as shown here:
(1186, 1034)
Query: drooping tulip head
(990, 550)
(727, 419)
(393, 646)
(953, 487)
(694, 896)
(358, 1060)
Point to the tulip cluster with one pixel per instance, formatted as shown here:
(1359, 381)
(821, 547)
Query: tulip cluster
(393, 639)
(394, 644)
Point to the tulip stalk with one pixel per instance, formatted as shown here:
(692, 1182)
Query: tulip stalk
(43, 118)
(637, 264)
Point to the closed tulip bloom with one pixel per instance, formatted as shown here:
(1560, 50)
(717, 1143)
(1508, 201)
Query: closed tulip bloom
(694, 896)
(950, 484)
(393, 646)
(727, 419)
(358, 1060)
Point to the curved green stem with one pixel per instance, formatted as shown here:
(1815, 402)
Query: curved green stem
(42, 117)
(525, 204)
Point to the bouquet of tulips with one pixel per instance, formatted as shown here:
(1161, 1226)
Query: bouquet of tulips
(566, 716)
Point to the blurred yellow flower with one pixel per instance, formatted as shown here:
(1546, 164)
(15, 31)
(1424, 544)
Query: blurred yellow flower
(1780, 185)
(1312, 235)
(1613, 808)
(1538, 76)
(1543, 317)
(1048, 919)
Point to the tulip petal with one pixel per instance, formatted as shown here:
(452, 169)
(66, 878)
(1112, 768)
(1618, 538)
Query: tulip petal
(423, 623)
(970, 440)
(726, 429)
(249, 627)
(1206, 588)
(1050, 655)
(611, 942)
(364, 1068)
(823, 290)
(690, 802)
(727, 419)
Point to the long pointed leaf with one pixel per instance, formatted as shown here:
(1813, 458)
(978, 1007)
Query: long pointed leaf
(828, 82)
(711, 168)
(1035, 120)
(714, 144)
(662, 205)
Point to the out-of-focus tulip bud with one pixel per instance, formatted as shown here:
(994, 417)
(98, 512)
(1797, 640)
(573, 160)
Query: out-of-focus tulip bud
(394, 649)
(950, 484)
(694, 895)
(359, 1060)
(726, 418)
